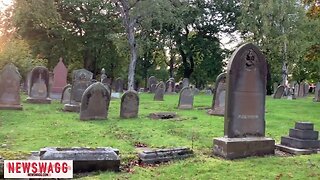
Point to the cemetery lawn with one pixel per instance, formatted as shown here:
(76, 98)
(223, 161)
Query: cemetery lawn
(39, 126)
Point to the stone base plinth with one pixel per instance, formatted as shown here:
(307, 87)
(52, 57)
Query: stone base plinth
(10, 107)
(72, 107)
(233, 148)
(216, 112)
(39, 100)
(296, 151)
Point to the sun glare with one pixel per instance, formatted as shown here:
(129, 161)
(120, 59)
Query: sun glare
(4, 4)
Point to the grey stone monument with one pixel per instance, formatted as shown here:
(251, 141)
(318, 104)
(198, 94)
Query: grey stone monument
(170, 86)
(218, 103)
(244, 120)
(10, 88)
(95, 102)
(81, 80)
(129, 105)
(119, 85)
(66, 94)
(279, 92)
(186, 98)
(39, 86)
(185, 82)
(152, 84)
(159, 92)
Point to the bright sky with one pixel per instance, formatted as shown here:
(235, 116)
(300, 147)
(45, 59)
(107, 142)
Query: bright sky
(4, 4)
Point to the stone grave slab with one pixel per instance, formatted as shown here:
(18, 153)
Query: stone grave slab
(164, 155)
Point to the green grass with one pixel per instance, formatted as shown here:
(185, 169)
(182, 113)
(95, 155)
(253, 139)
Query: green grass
(40, 126)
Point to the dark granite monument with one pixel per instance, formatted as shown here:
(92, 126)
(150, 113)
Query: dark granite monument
(85, 159)
(159, 92)
(218, 103)
(60, 73)
(118, 85)
(39, 86)
(244, 120)
(301, 140)
(129, 105)
(81, 80)
(66, 94)
(95, 102)
(279, 92)
(10, 88)
(186, 98)
(152, 84)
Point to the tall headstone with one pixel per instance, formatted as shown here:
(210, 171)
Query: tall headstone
(39, 86)
(296, 90)
(66, 94)
(152, 84)
(60, 73)
(218, 103)
(129, 105)
(159, 92)
(95, 102)
(279, 92)
(306, 89)
(301, 89)
(119, 85)
(185, 82)
(81, 80)
(10, 88)
(186, 98)
(316, 93)
(244, 120)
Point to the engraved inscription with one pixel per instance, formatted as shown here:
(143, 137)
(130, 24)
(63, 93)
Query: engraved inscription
(250, 60)
(248, 116)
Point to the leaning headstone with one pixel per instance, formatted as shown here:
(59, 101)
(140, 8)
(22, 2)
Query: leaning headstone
(244, 120)
(185, 82)
(95, 102)
(60, 73)
(301, 140)
(129, 105)
(218, 103)
(152, 83)
(279, 92)
(85, 159)
(316, 93)
(10, 88)
(186, 98)
(119, 85)
(159, 92)
(81, 80)
(66, 94)
(39, 86)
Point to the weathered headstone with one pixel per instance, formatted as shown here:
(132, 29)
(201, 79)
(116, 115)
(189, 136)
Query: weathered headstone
(185, 82)
(10, 88)
(244, 120)
(159, 92)
(303, 139)
(66, 94)
(81, 80)
(39, 86)
(275, 87)
(170, 86)
(218, 103)
(306, 89)
(296, 90)
(186, 98)
(316, 93)
(129, 105)
(279, 92)
(95, 102)
(60, 73)
(152, 83)
(119, 85)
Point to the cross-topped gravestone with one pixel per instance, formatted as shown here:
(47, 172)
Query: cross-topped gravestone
(186, 98)
(10, 88)
(81, 80)
(160, 90)
(95, 102)
(279, 92)
(244, 120)
(129, 105)
(60, 73)
(218, 103)
(39, 86)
